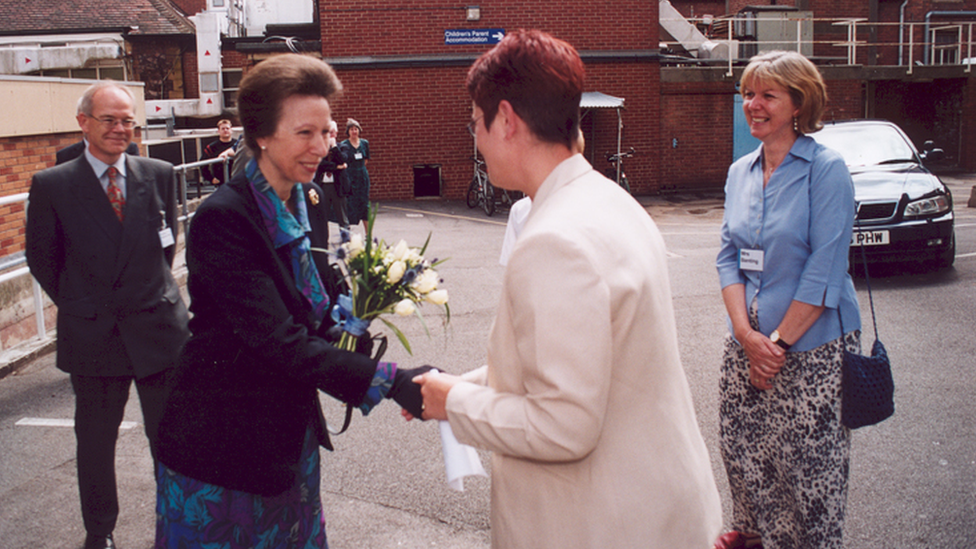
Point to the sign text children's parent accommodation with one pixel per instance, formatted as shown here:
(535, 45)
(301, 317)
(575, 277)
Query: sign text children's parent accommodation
(473, 36)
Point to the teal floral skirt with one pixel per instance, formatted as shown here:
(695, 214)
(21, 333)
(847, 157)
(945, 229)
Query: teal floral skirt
(191, 514)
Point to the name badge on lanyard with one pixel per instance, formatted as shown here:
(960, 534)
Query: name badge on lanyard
(166, 237)
(751, 260)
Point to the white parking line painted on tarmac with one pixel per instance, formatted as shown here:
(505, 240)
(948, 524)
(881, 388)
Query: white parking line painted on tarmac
(55, 422)
(965, 255)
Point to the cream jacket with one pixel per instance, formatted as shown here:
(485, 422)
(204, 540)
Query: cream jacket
(583, 402)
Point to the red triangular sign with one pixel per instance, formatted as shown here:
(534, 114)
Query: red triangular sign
(158, 108)
(27, 60)
(210, 101)
(206, 53)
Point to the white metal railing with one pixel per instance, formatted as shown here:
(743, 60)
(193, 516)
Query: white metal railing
(38, 296)
(18, 266)
(947, 41)
(181, 172)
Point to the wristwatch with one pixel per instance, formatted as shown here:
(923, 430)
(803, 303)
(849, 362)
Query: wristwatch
(775, 338)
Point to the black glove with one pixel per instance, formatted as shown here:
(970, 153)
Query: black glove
(406, 393)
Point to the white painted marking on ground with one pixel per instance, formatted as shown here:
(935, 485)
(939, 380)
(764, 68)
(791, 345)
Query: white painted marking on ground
(55, 422)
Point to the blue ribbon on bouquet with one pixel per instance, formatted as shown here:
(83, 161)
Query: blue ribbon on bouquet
(343, 317)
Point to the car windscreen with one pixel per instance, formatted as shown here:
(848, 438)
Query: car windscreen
(867, 145)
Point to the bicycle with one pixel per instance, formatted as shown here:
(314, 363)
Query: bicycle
(481, 191)
(616, 171)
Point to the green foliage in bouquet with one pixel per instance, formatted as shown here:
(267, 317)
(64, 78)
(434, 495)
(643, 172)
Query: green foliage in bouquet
(385, 279)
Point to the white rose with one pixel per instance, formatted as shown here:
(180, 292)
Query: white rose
(396, 272)
(355, 245)
(400, 251)
(427, 281)
(437, 297)
(404, 308)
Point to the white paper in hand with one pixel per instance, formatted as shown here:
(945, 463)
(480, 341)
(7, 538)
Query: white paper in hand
(460, 460)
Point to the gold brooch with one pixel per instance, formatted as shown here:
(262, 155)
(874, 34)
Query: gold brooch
(313, 197)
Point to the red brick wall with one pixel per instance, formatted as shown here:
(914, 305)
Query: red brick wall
(967, 146)
(20, 159)
(845, 100)
(414, 116)
(697, 8)
(696, 134)
(403, 131)
(191, 75)
(405, 27)
(697, 129)
(639, 85)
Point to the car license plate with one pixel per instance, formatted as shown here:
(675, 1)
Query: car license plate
(869, 238)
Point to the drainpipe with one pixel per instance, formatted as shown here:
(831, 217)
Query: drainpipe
(928, 17)
(901, 32)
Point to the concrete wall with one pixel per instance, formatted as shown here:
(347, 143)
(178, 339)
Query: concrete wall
(39, 105)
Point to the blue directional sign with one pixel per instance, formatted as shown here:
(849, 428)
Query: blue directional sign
(454, 37)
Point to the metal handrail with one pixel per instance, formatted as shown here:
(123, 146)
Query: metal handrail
(920, 35)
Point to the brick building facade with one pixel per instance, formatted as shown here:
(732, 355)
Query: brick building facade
(409, 91)
(405, 85)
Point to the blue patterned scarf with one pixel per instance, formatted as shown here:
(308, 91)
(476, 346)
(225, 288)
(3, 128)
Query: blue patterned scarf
(286, 230)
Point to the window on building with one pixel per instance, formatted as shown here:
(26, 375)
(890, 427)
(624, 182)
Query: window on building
(231, 81)
(946, 42)
(103, 69)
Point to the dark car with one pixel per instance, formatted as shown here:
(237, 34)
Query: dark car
(904, 212)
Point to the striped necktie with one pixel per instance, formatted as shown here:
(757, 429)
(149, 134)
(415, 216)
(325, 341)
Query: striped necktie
(115, 197)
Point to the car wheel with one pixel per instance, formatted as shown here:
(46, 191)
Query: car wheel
(949, 257)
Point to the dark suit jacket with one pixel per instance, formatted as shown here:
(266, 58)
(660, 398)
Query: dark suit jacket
(246, 388)
(119, 308)
(78, 149)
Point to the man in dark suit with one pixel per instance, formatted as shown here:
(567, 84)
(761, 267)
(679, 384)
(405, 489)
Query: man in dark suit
(100, 241)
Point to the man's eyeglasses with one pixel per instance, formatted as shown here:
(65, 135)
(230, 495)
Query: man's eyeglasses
(472, 124)
(109, 122)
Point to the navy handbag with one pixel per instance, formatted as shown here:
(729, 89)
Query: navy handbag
(867, 387)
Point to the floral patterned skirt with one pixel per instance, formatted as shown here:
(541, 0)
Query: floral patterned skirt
(785, 450)
(191, 514)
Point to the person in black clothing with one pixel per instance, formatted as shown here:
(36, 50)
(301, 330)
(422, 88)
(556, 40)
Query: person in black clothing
(99, 240)
(242, 425)
(327, 176)
(214, 173)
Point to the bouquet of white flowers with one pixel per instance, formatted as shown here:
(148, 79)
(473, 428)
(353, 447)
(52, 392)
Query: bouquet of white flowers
(383, 279)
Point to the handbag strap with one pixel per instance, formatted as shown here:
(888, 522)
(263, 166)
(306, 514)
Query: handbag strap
(867, 280)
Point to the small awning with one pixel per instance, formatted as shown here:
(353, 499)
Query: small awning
(600, 100)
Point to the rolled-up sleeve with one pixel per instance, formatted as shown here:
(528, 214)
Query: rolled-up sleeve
(832, 210)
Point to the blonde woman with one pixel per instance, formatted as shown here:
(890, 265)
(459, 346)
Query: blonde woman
(789, 214)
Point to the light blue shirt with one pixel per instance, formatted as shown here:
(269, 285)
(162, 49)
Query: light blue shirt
(802, 221)
(101, 171)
